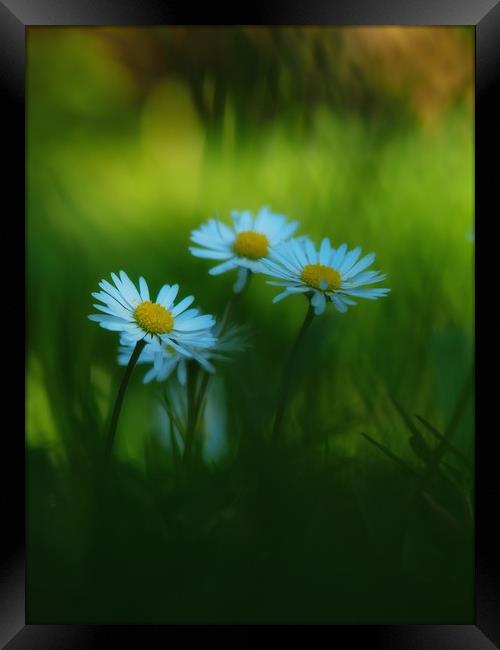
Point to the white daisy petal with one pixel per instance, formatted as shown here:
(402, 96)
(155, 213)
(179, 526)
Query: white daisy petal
(113, 304)
(318, 298)
(359, 266)
(210, 242)
(161, 294)
(225, 266)
(339, 304)
(338, 257)
(118, 282)
(286, 283)
(318, 301)
(250, 265)
(129, 290)
(346, 300)
(105, 318)
(113, 312)
(203, 362)
(349, 260)
(312, 256)
(278, 256)
(206, 363)
(133, 330)
(191, 340)
(149, 376)
(262, 218)
(284, 233)
(210, 254)
(242, 221)
(225, 233)
(108, 322)
(169, 340)
(182, 305)
(324, 251)
(189, 313)
(368, 277)
(114, 293)
(289, 292)
(299, 289)
(198, 323)
(298, 252)
(168, 296)
(371, 294)
(143, 289)
(157, 360)
(241, 280)
(276, 272)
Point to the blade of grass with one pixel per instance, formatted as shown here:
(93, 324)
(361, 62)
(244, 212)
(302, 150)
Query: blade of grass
(172, 422)
(440, 450)
(391, 455)
(461, 404)
(442, 512)
(419, 445)
(420, 449)
(170, 412)
(445, 442)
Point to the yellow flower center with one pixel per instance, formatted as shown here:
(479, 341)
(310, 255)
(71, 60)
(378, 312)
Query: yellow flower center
(321, 277)
(153, 318)
(253, 245)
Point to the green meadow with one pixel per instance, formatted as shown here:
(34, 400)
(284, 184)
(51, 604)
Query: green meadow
(363, 513)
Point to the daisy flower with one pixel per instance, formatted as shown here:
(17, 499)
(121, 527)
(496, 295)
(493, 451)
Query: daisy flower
(164, 359)
(131, 312)
(334, 274)
(242, 245)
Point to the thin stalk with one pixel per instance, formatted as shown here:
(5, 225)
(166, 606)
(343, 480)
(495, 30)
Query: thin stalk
(288, 373)
(201, 393)
(191, 409)
(198, 403)
(425, 482)
(119, 397)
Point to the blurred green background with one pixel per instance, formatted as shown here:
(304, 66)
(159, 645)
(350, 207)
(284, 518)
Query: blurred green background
(365, 135)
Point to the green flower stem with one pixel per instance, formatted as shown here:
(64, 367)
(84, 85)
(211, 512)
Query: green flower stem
(195, 402)
(201, 393)
(192, 407)
(288, 373)
(121, 394)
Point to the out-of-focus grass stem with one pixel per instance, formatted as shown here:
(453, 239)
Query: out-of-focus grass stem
(233, 300)
(192, 417)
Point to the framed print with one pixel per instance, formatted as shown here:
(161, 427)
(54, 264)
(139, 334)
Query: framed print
(251, 306)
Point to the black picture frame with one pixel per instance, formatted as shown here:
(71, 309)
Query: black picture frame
(484, 15)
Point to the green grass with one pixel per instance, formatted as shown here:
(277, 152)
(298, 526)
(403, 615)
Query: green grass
(329, 528)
